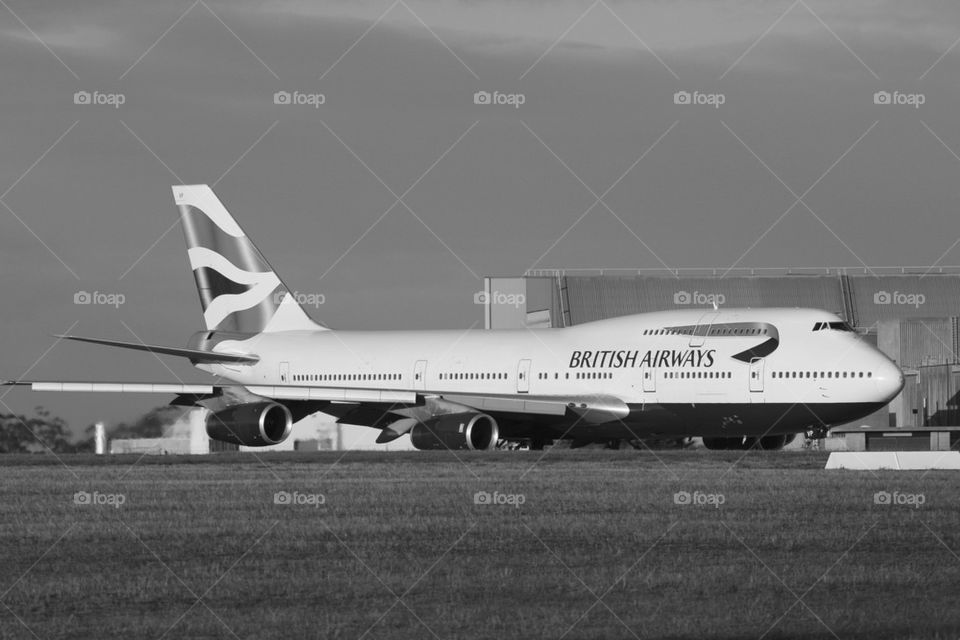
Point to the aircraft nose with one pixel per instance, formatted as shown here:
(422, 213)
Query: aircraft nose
(889, 380)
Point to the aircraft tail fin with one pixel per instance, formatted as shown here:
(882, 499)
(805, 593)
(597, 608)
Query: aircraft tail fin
(239, 290)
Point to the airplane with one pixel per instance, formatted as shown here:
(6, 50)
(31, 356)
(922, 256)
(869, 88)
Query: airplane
(738, 378)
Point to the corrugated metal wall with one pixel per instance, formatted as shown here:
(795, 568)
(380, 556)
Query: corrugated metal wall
(911, 402)
(861, 299)
(927, 341)
(939, 386)
(594, 298)
(930, 398)
(906, 296)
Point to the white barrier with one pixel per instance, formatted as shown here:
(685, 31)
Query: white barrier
(896, 460)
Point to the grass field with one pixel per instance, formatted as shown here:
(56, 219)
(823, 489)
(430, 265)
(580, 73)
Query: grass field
(574, 544)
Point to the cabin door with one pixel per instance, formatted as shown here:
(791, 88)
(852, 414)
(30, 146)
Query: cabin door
(523, 376)
(420, 375)
(756, 375)
(702, 329)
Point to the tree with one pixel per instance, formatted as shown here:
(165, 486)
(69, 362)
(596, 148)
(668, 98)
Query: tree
(150, 425)
(40, 432)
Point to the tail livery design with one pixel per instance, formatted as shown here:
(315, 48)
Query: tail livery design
(239, 290)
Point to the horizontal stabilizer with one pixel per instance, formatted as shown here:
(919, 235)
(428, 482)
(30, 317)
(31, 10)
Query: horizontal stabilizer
(195, 355)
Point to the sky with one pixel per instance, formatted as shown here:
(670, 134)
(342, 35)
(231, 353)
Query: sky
(389, 192)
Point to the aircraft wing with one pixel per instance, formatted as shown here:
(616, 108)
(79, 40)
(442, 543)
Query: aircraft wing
(280, 393)
(594, 409)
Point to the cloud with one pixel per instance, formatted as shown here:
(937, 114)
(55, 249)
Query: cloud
(664, 26)
(500, 27)
(73, 38)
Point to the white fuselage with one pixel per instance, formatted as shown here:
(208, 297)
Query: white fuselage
(673, 358)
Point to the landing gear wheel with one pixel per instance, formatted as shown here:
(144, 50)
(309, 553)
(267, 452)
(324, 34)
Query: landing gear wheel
(818, 433)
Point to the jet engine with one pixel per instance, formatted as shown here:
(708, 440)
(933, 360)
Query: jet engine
(474, 431)
(258, 424)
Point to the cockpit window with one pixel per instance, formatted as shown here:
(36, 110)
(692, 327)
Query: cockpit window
(836, 326)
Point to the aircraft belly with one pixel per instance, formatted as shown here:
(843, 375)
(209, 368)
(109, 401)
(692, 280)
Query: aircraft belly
(723, 419)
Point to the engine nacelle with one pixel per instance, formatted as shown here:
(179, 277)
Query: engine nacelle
(258, 424)
(475, 431)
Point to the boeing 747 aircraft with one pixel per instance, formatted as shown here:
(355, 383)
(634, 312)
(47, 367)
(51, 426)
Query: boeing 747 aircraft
(736, 377)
